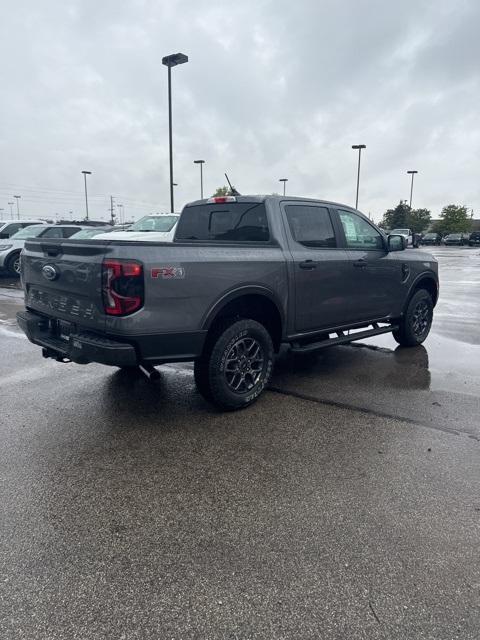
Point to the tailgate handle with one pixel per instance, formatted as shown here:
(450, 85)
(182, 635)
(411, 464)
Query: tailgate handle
(51, 251)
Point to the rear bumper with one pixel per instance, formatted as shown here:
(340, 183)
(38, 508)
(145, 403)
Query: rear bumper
(81, 347)
(84, 347)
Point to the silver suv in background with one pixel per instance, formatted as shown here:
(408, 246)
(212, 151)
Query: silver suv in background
(9, 228)
(11, 248)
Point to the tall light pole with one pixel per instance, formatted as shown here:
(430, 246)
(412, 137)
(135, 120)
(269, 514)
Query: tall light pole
(1, 213)
(359, 147)
(18, 207)
(120, 213)
(85, 174)
(284, 180)
(10, 204)
(411, 186)
(172, 61)
(201, 163)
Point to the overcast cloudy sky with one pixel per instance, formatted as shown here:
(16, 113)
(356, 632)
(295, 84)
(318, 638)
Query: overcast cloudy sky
(272, 89)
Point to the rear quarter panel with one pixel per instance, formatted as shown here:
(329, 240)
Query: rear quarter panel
(203, 275)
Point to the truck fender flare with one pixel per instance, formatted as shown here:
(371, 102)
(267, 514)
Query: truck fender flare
(238, 293)
(425, 275)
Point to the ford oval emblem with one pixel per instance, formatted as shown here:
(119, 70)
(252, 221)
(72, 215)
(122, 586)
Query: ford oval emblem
(49, 272)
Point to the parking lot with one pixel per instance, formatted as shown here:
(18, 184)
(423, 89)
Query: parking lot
(344, 504)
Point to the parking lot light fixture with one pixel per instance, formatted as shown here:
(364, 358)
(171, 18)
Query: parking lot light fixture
(359, 147)
(411, 186)
(201, 163)
(284, 180)
(172, 61)
(85, 174)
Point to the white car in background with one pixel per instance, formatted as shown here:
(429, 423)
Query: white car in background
(406, 233)
(158, 226)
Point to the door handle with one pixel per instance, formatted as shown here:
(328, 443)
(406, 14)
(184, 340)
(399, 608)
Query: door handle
(360, 264)
(308, 264)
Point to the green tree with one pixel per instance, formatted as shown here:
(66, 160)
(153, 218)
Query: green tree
(453, 219)
(396, 218)
(221, 191)
(418, 220)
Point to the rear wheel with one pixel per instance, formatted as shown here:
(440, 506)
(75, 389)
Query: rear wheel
(236, 364)
(417, 320)
(13, 264)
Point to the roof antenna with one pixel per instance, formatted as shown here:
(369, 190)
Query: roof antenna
(233, 191)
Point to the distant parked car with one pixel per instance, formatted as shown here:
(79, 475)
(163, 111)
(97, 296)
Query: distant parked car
(474, 239)
(10, 250)
(159, 226)
(409, 236)
(91, 232)
(431, 239)
(454, 239)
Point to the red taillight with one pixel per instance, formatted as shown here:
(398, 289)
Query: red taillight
(123, 289)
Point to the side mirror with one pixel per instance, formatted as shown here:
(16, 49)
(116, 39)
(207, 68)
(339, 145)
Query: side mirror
(396, 243)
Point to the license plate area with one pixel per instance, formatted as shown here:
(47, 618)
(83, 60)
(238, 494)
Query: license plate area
(61, 329)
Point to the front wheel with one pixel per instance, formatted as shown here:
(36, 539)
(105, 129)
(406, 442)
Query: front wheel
(417, 320)
(236, 364)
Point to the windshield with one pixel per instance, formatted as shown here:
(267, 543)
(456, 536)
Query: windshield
(455, 236)
(155, 223)
(401, 231)
(89, 233)
(32, 231)
(431, 235)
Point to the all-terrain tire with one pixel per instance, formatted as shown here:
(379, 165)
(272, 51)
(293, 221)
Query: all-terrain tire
(236, 364)
(417, 320)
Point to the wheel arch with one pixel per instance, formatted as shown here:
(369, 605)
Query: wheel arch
(255, 302)
(424, 281)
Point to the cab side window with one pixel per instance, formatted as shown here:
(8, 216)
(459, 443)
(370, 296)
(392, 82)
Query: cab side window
(311, 226)
(359, 234)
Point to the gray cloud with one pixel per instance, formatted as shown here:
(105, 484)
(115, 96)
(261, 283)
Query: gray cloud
(272, 89)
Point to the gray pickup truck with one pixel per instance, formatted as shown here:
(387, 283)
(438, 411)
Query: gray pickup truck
(244, 275)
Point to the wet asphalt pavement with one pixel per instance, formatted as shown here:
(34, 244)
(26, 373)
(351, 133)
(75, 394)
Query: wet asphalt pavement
(344, 504)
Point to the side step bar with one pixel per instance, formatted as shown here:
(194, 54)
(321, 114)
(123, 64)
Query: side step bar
(342, 338)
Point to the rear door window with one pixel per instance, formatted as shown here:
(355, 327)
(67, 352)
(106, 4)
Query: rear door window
(311, 226)
(227, 222)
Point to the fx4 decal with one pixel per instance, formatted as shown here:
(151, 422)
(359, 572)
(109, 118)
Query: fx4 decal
(167, 273)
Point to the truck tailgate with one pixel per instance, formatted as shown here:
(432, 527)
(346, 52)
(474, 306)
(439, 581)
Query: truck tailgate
(63, 279)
